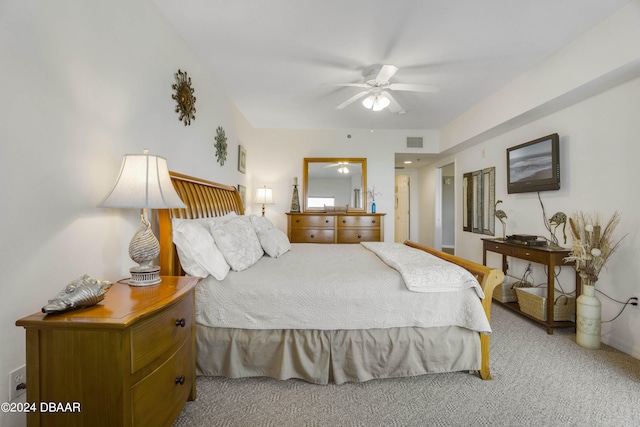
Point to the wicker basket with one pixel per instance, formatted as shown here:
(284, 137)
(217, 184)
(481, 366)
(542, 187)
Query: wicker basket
(506, 292)
(533, 301)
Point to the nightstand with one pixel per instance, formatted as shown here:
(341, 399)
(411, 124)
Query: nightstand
(127, 361)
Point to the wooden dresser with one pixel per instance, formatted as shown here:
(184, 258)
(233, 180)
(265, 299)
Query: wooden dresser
(127, 361)
(335, 227)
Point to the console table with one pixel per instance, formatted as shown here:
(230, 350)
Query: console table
(551, 256)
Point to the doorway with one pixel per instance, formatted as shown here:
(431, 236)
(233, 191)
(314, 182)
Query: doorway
(447, 203)
(401, 209)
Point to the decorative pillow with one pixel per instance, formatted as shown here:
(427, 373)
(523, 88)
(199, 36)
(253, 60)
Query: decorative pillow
(273, 241)
(238, 242)
(198, 253)
(260, 223)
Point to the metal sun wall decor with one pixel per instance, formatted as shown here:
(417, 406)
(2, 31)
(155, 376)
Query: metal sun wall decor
(221, 145)
(186, 106)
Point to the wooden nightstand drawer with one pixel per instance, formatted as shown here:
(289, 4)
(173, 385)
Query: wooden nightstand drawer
(160, 396)
(312, 221)
(310, 235)
(115, 357)
(358, 221)
(163, 332)
(356, 236)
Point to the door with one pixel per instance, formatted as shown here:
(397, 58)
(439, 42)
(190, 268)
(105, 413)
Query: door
(401, 212)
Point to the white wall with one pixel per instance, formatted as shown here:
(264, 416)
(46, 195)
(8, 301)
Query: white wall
(85, 83)
(589, 93)
(600, 145)
(276, 156)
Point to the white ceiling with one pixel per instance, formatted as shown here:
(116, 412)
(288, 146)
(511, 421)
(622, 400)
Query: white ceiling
(277, 59)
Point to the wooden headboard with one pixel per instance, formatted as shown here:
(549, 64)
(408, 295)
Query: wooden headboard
(204, 199)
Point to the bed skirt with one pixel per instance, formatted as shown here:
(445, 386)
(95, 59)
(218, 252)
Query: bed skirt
(338, 356)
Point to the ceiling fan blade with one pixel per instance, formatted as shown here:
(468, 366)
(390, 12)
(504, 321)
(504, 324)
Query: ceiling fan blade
(394, 107)
(352, 99)
(413, 87)
(347, 84)
(385, 73)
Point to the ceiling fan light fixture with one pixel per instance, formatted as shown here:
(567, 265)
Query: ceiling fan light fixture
(376, 102)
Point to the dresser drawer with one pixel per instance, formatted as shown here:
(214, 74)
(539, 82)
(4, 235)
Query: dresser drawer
(160, 396)
(531, 255)
(358, 221)
(161, 333)
(356, 236)
(311, 235)
(312, 221)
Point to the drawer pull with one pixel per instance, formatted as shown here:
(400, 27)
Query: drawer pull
(344, 221)
(312, 236)
(180, 380)
(359, 236)
(181, 322)
(527, 254)
(297, 220)
(326, 221)
(373, 221)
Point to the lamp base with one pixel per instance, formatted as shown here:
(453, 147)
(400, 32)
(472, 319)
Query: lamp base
(145, 276)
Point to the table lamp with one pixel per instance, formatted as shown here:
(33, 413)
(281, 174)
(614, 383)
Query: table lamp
(143, 183)
(264, 195)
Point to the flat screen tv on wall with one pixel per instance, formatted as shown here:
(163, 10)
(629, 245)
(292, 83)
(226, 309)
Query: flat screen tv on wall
(534, 166)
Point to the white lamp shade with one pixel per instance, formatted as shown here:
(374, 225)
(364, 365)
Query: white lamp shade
(376, 102)
(264, 196)
(143, 182)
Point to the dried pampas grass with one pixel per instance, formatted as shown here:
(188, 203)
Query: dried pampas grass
(592, 244)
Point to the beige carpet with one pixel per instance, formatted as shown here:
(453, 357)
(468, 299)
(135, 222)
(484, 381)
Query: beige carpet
(538, 380)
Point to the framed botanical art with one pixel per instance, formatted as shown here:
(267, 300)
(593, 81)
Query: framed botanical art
(243, 195)
(242, 159)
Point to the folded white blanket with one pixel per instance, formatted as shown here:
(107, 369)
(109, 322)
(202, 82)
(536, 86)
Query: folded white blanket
(423, 272)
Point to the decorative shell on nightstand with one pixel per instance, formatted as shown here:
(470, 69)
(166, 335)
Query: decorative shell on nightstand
(221, 145)
(186, 106)
(82, 292)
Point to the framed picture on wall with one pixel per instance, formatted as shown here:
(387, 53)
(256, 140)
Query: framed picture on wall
(242, 159)
(243, 195)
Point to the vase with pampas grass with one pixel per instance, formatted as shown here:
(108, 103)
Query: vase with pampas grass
(592, 247)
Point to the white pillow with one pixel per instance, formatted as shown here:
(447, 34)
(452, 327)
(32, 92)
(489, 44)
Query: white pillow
(260, 223)
(273, 241)
(238, 242)
(198, 253)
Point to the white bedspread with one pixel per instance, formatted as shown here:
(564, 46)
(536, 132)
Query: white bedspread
(329, 287)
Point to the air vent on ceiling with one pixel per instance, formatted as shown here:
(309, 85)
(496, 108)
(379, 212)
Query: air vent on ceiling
(414, 142)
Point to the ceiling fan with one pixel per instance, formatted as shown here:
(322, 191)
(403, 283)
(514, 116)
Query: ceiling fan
(377, 86)
(343, 167)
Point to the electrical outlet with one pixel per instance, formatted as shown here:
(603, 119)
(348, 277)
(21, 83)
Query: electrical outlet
(17, 382)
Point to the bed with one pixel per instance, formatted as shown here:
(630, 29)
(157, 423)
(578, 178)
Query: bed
(348, 315)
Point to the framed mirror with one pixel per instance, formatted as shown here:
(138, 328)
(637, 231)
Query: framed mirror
(478, 201)
(334, 181)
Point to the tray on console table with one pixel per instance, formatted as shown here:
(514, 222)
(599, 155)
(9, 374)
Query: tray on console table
(551, 256)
